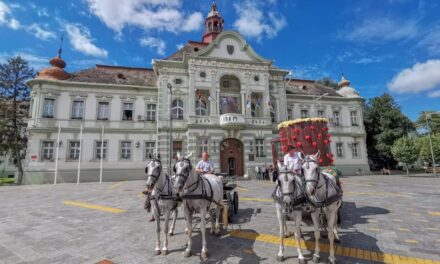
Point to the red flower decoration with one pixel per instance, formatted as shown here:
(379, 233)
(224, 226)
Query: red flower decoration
(329, 140)
(280, 134)
(323, 129)
(314, 144)
(296, 130)
(319, 136)
(320, 160)
(328, 135)
(312, 127)
(284, 148)
(328, 155)
(308, 138)
(299, 144)
(325, 141)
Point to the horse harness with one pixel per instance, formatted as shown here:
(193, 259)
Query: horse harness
(328, 200)
(295, 201)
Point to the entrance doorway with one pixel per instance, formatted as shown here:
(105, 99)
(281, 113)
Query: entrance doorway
(231, 157)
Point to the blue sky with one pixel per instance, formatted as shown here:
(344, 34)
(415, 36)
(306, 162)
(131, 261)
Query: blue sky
(381, 45)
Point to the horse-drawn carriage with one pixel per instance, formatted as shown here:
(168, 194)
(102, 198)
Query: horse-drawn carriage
(230, 198)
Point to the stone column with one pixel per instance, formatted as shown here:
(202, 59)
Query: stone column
(243, 102)
(191, 91)
(214, 93)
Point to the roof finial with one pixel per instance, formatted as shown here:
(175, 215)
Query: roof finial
(60, 50)
(344, 82)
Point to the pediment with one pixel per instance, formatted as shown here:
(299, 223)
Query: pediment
(231, 45)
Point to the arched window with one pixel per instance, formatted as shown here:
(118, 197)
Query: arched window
(177, 109)
(201, 107)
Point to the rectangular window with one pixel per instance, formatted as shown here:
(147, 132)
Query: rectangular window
(77, 109)
(339, 150)
(177, 147)
(103, 110)
(259, 147)
(355, 150)
(321, 113)
(98, 150)
(336, 120)
(354, 118)
(151, 112)
(150, 147)
(289, 114)
(47, 150)
(127, 111)
(304, 113)
(74, 150)
(202, 145)
(48, 107)
(125, 150)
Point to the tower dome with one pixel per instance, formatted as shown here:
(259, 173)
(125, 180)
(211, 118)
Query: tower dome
(56, 71)
(213, 24)
(345, 90)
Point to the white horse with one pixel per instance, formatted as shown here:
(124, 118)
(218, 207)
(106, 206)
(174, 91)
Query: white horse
(160, 187)
(289, 197)
(199, 194)
(324, 195)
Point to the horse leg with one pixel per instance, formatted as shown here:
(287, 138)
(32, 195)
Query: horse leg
(188, 217)
(165, 230)
(204, 253)
(330, 214)
(211, 217)
(282, 223)
(157, 216)
(173, 224)
(217, 221)
(287, 233)
(298, 219)
(315, 218)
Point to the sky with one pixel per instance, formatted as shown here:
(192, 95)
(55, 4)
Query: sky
(381, 46)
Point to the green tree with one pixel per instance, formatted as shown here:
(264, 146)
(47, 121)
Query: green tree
(406, 150)
(14, 109)
(327, 81)
(425, 148)
(384, 124)
(433, 121)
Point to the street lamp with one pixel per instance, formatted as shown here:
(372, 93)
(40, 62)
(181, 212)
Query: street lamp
(170, 87)
(434, 169)
(315, 102)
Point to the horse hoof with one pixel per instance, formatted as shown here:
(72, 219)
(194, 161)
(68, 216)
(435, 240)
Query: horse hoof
(301, 261)
(164, 252)
(212, 232)
(171, 234)
(280, 258)
(157, 252)
(315, 259)
(204, 255)
(337, 240)
(187, 254)
(332, 261)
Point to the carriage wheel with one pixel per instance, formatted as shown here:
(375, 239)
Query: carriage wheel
(339, 217)
(230, 211)
(235, 202)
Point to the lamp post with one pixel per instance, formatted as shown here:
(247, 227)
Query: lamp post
(170, 87)
(434, 169)
(315, 102)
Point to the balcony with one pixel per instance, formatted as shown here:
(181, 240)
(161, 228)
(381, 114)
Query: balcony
(232, 121)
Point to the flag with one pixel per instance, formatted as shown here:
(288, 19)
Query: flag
(201, 101)
(248, 101)
(269, 103)
(258, 102)
(210, 98)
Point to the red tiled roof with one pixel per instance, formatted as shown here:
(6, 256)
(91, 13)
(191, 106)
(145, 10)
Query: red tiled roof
(190, 47)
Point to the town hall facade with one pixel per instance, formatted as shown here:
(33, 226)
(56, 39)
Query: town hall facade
(219, 95)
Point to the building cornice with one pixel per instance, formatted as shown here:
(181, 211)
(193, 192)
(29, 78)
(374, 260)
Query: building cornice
(34, 82)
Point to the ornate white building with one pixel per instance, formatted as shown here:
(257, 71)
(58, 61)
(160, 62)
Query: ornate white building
(221, 96)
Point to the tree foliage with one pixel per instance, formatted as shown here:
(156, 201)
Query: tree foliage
(327, 81)
(433, 121)
(425, 148)
(406, 150)
(384, 124)
(14, 109)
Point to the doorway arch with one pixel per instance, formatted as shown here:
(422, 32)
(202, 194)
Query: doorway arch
(231, 157)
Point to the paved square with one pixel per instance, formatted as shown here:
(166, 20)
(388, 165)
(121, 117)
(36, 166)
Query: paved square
(390, 219)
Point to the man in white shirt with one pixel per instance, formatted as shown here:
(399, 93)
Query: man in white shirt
(205, 166)
(293, 160)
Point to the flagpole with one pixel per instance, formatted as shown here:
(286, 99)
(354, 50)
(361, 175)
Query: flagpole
(102, 147)
(56, 156)
(80, 152)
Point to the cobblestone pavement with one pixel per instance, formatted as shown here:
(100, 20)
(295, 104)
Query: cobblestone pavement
(393, 219)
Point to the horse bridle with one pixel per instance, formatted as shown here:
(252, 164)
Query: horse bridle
(285, 172)
(155, 177)
(307, 161)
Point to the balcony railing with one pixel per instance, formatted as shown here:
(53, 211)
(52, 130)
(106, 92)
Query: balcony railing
(232, 121)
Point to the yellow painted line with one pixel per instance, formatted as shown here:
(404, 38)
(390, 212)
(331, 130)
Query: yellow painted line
(340, 251)
(411, 241)
(397, 220)
(117, 184)
(372, 221)
(267, 200)
(404, 229)
(423, 220)
(434, 213)
(95, 207)
(379, 194)
(242, 189)
(432, 228)
(374, 229)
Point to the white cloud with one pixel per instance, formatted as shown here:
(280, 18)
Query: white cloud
(180, 45)
(81, 41)
(381, 29)
(14, 24)
(154, 43)
(40, 31)
(146, 14)
(431, 41)
(309, 72)
(434, 94)
(359, 57)
(252, 22)
(4, 11)
(421, 77)
(35, 61)
(42, 12)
